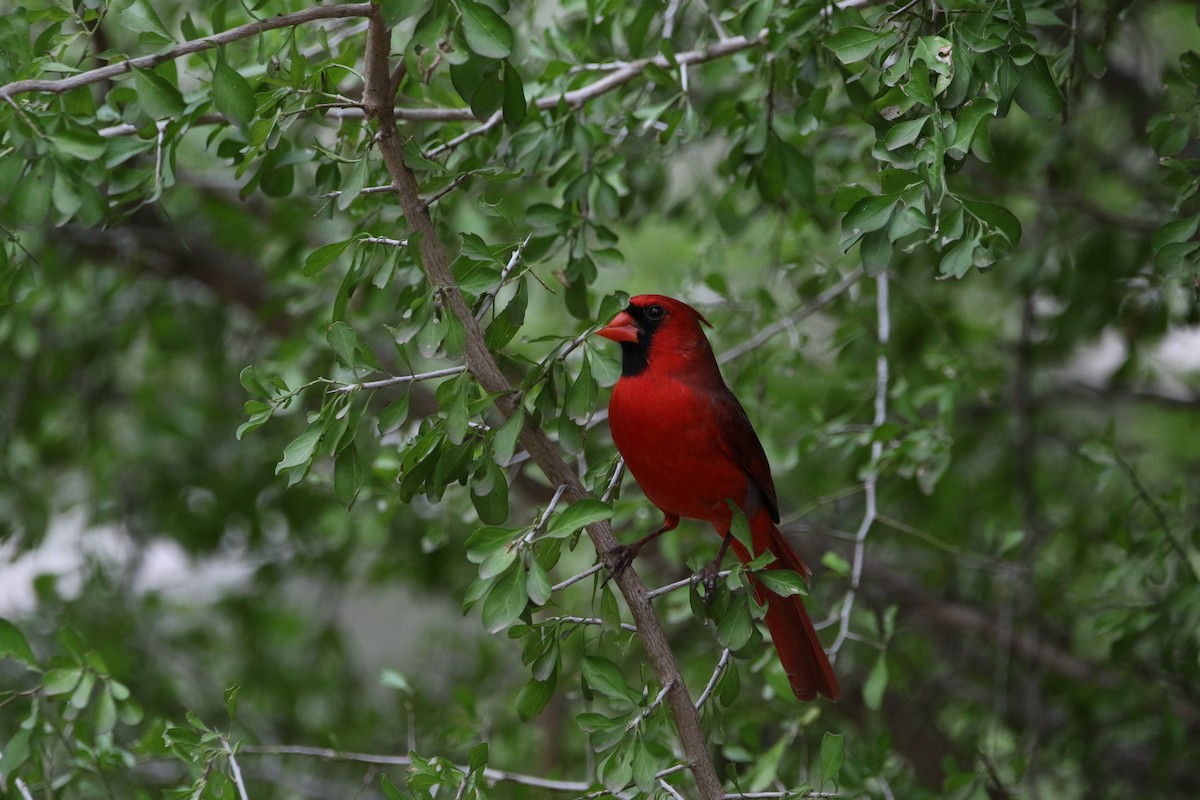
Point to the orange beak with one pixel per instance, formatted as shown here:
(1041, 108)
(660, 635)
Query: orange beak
(621, 329)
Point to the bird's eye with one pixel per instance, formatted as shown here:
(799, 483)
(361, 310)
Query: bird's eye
(655, 313)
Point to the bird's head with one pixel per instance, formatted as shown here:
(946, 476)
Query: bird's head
(653, 322)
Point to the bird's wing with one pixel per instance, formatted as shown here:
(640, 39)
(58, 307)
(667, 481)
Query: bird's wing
(741, 443)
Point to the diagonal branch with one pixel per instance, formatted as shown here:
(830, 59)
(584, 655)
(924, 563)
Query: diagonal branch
(435, 261)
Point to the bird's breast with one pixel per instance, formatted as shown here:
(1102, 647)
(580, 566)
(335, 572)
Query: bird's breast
(671, 442)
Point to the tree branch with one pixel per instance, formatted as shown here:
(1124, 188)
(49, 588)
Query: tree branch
(435, 261)
(187, 48)
(884, 327)
(327, 754)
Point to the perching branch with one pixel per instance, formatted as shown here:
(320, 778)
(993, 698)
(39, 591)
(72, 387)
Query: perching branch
(435, 260)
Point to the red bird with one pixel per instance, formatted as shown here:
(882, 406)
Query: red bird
(690, 445)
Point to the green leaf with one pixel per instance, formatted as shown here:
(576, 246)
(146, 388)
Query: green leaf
(958, 260)
(876, 683)
(485, 541)
(79, 143)
(323, 256)
(1181, 230)
(61, 680)
(31, 200)
(507, 599)
(486, 31)
(603, 676)
(232, 94)
(13, 644)
(348, 476)
(16, 752)
(353, 184)
(997, 218)
(782, 582)
(1038, 93)
(969, 119)
(515, 107)
(347, 345)
(904, 133)
(158, 98)
(394, 415)
(875, 250)
(534, 696)
(579, 515)
(504, 441)
(739, 526)
(231, 697)
(139, 16)
(492, 504)
(835, 563)
(390, 790)
(538, 584)
(396, 11)
(854, 44)
(300, 451)
(735, 626)
(868, 214)
(833, 755)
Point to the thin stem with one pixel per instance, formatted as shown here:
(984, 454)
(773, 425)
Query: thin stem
(592, 570)
(327, 754)
(237, 771)
(395, 379)
(490, 298)
(807, 310)
(385, 240)
(111, 71)
(722, 662)
(870, 514)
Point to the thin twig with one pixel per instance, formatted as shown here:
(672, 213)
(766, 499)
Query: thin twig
(384, 240)
(592, 570)
(722, 662)
(490, 297)
(367, 190)
(883, 325)
(255, 28)
(804, 311)
(618, 473)
(459, 180)
(657, 776)
(328, 754)
(669, 789)
(545, 518)
(680, 584)
(395, 379)
(491, 122)
(571, 619)
(237, 771)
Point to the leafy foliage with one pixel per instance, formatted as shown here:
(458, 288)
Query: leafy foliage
(220, 337)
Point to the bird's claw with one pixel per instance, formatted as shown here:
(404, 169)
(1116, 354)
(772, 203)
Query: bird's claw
(618, 560)
(707, 577)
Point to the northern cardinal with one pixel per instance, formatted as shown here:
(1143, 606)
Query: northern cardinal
(690, 445)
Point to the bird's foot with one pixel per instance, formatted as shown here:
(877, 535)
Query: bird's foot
(619, 558)
(707, 577)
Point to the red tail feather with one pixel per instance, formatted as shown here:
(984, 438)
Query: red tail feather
(800, 651)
